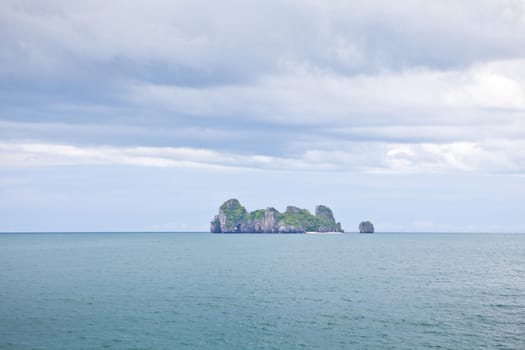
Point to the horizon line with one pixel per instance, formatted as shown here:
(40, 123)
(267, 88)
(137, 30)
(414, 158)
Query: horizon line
(258, 233)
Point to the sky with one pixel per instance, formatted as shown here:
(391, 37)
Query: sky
(138, 116)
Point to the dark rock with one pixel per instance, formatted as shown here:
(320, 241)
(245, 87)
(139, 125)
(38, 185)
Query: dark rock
(292, 210)
(215, 225)
(324, 212)
(366, 227)
(326, 217)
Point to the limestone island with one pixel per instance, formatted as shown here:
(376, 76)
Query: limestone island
(366, 227)
(234, 218)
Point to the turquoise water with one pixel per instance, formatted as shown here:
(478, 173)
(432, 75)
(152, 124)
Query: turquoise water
(204, 291)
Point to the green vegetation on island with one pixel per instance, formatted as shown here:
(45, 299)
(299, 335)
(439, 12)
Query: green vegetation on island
(234, 218)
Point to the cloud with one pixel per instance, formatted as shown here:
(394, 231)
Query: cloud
(245, 39)
(274, 85)
(499, 84)
(305, 94)
(494, 157)
(464, 102)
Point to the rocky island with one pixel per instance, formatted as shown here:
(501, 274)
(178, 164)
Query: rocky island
(234, 218)
(366, 227)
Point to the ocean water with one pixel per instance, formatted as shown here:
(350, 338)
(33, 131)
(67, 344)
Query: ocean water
(204, 291)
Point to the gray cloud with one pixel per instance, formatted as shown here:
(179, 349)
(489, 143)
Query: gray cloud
(495, 156)
(262, 79)
(247, 36)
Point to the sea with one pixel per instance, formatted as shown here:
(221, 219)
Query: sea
(262, 291)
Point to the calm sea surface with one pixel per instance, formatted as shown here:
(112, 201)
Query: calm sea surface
(204, 291)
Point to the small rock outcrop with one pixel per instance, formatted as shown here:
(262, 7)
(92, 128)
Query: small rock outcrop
(234, 218)
(366, 227)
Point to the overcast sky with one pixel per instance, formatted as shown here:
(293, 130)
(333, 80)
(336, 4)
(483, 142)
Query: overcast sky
(134, 115)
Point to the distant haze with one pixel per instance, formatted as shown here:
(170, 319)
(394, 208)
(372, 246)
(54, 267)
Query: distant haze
(129, 115)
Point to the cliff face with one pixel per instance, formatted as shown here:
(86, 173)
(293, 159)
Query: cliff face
(327, 220)
(234, 218)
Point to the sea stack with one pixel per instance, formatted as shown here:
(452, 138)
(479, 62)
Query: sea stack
(366, 227)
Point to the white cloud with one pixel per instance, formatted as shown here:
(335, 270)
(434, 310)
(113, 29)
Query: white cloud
(492, 157)
(476, 97)
(499, 84)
